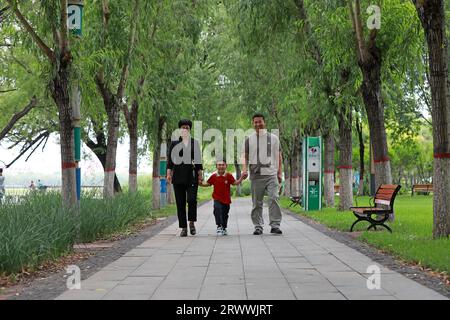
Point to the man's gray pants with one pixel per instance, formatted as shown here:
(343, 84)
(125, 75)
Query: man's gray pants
(259, 186)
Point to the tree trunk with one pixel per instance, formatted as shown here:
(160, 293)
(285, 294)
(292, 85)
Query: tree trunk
(131, 118)
(328, 170)
(361, 157)
(287, 177)
(156, 162)
(111, 148)
(99, 149)
(295, 160)
(432, 16)
(156, 203)
(345, 161)
(60, 94)
(371, 91)
(132, 123)
(132, 171)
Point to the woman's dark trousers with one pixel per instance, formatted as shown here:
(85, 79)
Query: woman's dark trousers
(185, 193)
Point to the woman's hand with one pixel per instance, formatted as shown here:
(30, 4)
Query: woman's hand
(169, 176)
(200, 176)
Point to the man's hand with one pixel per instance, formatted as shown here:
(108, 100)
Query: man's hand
(244, 175)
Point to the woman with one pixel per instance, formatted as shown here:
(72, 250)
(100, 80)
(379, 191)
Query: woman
(184, 171)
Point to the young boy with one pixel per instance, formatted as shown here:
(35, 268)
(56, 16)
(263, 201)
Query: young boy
(221, 180)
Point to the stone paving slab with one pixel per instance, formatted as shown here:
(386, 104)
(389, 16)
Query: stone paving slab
(303, 263)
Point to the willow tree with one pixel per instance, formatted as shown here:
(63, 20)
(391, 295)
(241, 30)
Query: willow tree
(52, 38)
(171, 59)
(108, 45)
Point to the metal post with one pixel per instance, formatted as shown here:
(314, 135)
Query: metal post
(74, 24)
(162, 175)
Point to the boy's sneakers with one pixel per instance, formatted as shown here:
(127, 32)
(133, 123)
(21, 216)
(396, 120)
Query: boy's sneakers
(219, 231)
(224, 232)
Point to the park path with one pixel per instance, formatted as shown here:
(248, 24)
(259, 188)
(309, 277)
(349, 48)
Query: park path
(303, 263)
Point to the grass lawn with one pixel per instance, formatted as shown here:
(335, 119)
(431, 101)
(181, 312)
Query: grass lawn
(411, 239)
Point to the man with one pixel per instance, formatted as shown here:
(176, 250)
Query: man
(263, 158)
(185, 171)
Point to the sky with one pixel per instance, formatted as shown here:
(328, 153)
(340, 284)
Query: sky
(48, 162)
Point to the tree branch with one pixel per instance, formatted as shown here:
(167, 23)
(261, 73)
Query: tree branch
(38, 140)
(355, 18)
(125, 68)
(16, 117)
(20, 63)
(45, 49)
(9, 90)
(64, 40)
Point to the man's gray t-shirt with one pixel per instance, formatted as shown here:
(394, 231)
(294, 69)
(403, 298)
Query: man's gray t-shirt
(263, 154)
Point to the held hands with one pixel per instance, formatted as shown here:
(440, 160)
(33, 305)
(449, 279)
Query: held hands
(280, 177)
(200, 177)
(244, 176)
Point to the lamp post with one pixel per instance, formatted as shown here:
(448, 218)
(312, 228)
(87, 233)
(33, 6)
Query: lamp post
(163, 169)
(74, 24)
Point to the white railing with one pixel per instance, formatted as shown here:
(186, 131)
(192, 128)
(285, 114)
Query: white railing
(17, 194)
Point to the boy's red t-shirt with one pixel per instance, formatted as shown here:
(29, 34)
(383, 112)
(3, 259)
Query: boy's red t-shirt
(221, 185)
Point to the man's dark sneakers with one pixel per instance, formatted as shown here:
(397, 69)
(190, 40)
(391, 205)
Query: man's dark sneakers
(183, 232)
(258, 232)
(276, 231)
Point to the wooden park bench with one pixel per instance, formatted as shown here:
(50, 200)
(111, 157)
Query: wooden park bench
(424, 188)
(295, 201)
(381, 207)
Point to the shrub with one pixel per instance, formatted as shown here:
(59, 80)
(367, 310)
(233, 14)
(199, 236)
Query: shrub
(39, 228)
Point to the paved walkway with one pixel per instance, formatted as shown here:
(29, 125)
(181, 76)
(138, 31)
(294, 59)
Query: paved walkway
(302, 263)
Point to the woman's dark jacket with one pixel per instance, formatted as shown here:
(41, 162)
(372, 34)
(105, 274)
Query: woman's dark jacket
(184, 171)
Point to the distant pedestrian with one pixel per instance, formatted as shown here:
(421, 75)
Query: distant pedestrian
(32, 186)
